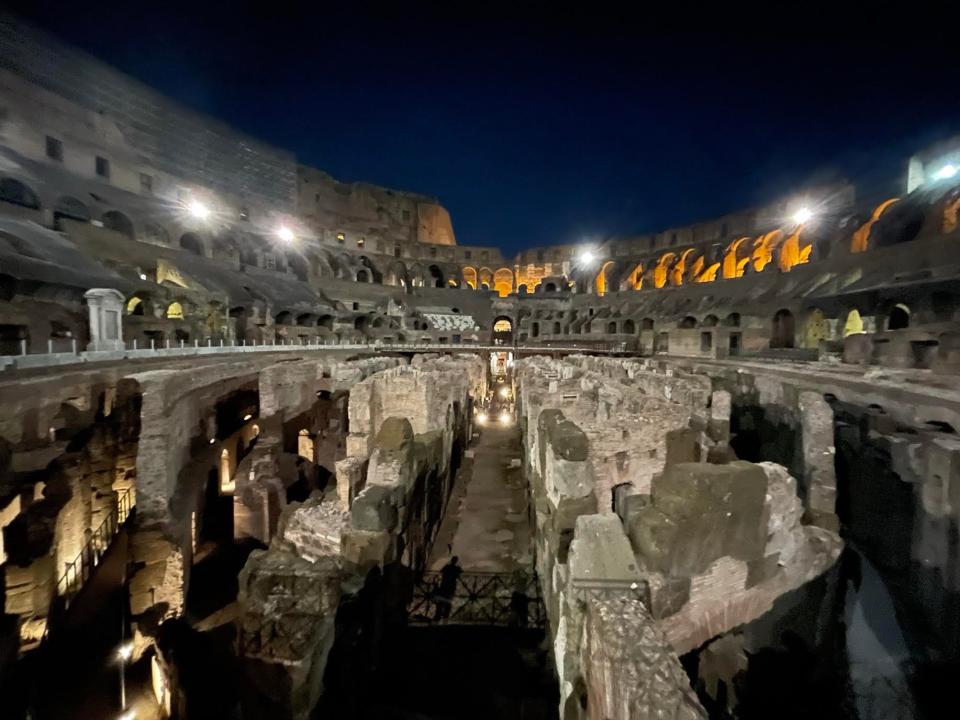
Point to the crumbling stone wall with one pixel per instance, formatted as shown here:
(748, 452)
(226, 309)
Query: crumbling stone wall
(701, 542)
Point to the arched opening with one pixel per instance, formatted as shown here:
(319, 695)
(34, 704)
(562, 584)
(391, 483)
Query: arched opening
(135, 306)
(732, 320)
(687, 323)
(69, 208)
(283, 318)
(191, 243)
(305, 320)
(815, 329)
(17, 193)
(634, 280)
(522, 289)
(629, 327)
(710, 321)
(503, 330)
(119, 223)
(899, 317)
(550, 287)
(733, 266)
(153, 233)
(853, 324)
(503, 281)
(361, 322)
(535, 330)
(646, 324)
(600, 281)
(325, 321)
(175, 311)
(612, 327)
(469, 275)
(363, 275)
(782, 334)
(556, 328)
(436, 276)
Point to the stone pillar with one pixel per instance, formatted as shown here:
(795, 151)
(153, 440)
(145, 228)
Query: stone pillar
(819, 473)
(106, 319)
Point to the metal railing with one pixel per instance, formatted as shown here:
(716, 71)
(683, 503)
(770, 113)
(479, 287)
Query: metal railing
(133, 352)
(507, 600)
(81, 568)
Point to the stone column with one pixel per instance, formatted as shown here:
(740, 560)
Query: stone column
(106, 319)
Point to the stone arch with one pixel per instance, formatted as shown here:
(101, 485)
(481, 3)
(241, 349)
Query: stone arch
(557, 328)
(710, 321)
(469, 275)
(284, 317)
(732, 265)
(437, 279)
(600, 282)
(69, 208)
(634, 281)
(325, 321)
(191, 243)
(535, 329)
(550, 287)
(646, 324)
(782, 334)
(815, 329)
(899, 317)
(175, 311)
(612, 327)
(732, 320)
(375, 275)
(485, 277)
(14, 192)
(503, 281)
(660, 271)
(853, 325)
(687, 323)
(119, 223)
(764, 248)
(136, 306)
(363, 276)
(305, 319)
(396, 274)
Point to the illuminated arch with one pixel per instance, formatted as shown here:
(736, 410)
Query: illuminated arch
(679, 268)
(634, 280)
(135, 306)
(854, 324)
(175, 311)
(503, 281)
(815, 329)
(660, 271)
(793, 252)
(860, 240)
(732, 266)
(600, 281)
(764, 248)
(469, 275)
(485, 277)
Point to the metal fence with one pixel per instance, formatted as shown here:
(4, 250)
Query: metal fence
(81, 568)
(507, 600)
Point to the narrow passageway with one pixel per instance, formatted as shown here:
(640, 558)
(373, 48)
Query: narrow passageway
(487, 525)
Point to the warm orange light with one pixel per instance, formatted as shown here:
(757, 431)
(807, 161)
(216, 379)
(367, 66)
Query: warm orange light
(635, 279)
(660, 271)
(763, 248)
(793, 253)
(861, 236)
(732, 267)
(709, 275)
(600, 282)
(676, 274)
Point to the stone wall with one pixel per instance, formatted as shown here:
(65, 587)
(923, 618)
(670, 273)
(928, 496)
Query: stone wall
(700, 543)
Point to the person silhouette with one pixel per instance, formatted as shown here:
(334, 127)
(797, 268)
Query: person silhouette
(447, 588)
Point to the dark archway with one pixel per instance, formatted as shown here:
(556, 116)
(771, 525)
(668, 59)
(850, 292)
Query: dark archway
(784, 329)
(436, 276)
(629, 327)
(17, 193)
(191, 243)
(69, 208)
(688, 322)
(119, 223)
(899, 317)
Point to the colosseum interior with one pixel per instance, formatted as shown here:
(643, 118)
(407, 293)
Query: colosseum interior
(276, 446)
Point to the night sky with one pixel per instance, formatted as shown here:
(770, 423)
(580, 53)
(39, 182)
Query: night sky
(537, 126)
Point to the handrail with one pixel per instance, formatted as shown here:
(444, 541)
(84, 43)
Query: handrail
(79, 570)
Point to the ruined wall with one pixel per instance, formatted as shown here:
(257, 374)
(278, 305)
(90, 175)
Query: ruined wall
(700, 541)
(328, 549)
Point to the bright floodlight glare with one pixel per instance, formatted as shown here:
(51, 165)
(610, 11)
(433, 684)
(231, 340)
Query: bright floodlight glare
(482, 418)
(247, 417)
(505, 417)
(125, 651)
(802, 215)
(504, 392)
(586, 257)
(285, 233)
(945, 173)
(130, 714)
(198, 210)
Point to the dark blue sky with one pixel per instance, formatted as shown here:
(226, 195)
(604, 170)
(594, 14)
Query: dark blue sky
(538, 126)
